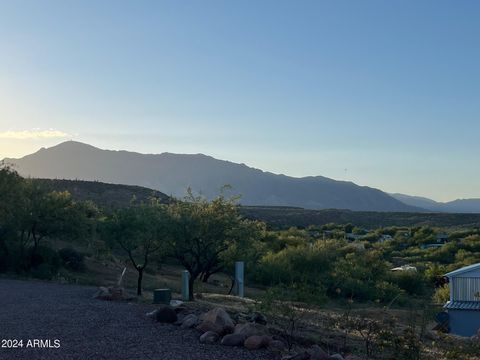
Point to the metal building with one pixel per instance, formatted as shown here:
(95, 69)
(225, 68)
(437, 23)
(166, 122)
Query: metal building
(464, 305)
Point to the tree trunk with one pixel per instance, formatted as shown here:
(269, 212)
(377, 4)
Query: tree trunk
(206, 276)
(139, 281)
(232, 279)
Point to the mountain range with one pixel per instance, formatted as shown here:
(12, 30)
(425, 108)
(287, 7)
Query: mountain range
(173, 174)
(456, 206)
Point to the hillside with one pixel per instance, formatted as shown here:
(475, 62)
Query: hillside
(112, 195)
(455, 206)
(104, 195)
(174, 173)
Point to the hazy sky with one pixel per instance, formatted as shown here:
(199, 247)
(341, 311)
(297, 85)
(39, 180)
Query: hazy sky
(388, 90)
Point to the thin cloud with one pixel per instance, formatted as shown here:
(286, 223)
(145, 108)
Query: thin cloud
(33, 134)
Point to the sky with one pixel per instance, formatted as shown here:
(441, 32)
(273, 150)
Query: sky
(382, 93)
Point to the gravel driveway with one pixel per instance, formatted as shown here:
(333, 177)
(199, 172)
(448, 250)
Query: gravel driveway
(94, 329)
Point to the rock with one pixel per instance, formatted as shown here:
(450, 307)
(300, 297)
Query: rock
(103, 294)
(317, 353)
(336, 357)
(209, 337)
(276, 346)
(255, 317)
(117, 293)
(166, 314)
(109, 294)
(258, 318)
(219, 316)
(250, 329)
(206, 326)
(300, 356)
(189, 321)
(216, 320)
(152, 314)
(233, 340)
(180, 309)
(257, 342)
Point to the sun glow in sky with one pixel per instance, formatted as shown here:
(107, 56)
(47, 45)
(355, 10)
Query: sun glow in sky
(385, 94)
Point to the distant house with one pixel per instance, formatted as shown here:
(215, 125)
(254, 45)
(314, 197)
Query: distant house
(464, 305)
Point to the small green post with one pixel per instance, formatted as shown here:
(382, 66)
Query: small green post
(185, 291)
(162, 296)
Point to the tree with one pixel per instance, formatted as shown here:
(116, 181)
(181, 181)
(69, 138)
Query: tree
(139, 231)
(11, 195)
(50, 214)
(202, 231)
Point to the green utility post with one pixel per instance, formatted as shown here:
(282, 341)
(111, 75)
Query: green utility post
(185, 291)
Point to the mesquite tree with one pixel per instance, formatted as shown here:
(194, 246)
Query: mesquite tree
(202, 231)
(139, 231)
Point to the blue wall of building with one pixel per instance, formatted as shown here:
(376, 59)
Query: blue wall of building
(464, 322)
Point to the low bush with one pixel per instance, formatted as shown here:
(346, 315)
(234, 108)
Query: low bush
(72, 259)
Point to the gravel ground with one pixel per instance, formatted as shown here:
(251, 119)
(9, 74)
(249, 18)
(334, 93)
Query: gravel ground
(94, 329)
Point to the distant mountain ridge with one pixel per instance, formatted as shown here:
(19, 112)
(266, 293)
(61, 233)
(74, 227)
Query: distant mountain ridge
(455, 206)
(172, 174)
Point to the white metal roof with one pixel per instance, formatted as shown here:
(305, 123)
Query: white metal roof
(463, 270)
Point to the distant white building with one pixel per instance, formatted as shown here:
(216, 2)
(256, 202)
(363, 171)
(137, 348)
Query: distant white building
(404, 268)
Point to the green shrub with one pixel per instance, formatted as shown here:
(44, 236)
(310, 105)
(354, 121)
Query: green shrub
(412, 282)
(43, 271)
(72, 259)
(44, 255)
(441, 295)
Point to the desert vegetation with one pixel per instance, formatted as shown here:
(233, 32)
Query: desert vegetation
(298, 272)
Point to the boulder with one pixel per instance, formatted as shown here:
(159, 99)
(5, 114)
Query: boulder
(209, 337)
(258, 318)
(117, 293)
(152, 314)
(216, 320)
(257, 342)
(109, 294)
(317, 353)
(276, 346)
(189, 321)
(103, 294)
(250, 329)
(219, 316)
(166, 314)
(299, 356)
(206, 326)
(255, 317)
(233, 340)
(180, 309)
